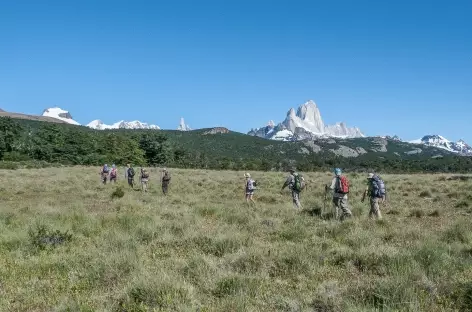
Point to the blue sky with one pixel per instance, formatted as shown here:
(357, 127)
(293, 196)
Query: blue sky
(388, 67)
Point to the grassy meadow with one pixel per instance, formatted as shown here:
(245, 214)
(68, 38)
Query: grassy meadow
(70, 243)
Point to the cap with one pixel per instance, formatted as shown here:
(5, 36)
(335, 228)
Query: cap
(370, 176)
(247, 175)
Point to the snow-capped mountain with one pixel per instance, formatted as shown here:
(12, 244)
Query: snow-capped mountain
(136, 124)
(58, 113)
(441, 142)
(183, 126)
(306, 123)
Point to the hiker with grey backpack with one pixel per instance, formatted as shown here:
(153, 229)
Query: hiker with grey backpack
(377, 193)
(250, 187)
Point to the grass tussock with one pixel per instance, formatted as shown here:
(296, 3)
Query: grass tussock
(70, 243)
(426, 194)
(118, 193)
(417, 213)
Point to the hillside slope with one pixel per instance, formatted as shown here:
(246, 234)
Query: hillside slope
(31, 117)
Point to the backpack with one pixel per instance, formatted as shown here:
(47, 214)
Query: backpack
(251, 184)
(378, 187)
(342, 185)
(105, 169)
(113, 173)
(299, 184)
(130, 172)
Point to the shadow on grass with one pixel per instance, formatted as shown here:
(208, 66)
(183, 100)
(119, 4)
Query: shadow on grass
(320, 212)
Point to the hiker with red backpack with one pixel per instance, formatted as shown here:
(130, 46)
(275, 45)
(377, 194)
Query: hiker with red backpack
(113, 174)
(340, 186)
(377, 193)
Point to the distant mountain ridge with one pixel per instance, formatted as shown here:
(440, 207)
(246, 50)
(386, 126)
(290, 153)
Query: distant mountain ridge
(136, 124)
(304, 124)
(65, 116)
(434, 140)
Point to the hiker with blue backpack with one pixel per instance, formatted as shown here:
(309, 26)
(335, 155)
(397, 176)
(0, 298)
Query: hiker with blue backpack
(340, 187)
(104, 173)
(296, 183)
(377, 193)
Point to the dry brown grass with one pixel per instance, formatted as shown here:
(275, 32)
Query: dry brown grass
(203, 248)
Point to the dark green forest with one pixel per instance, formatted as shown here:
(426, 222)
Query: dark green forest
(34, 144)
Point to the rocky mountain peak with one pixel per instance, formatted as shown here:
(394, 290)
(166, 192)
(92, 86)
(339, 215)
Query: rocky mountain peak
(304, 123)
(183, 126)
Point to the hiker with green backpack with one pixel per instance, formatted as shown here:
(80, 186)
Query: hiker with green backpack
(296, 183)
(340, 187)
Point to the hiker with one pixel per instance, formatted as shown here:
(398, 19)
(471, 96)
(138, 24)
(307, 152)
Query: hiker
(249, 189)
(144, 180)
(340, 186)
(165, 181)
(296, 184)
(130, 175)
(377, 193)
(113, 174)
(104, 173)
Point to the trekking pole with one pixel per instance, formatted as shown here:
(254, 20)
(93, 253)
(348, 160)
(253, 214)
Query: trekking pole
(324, 199)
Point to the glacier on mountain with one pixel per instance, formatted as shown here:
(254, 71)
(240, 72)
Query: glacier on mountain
(439, 141)
(305, 123)
(58, 113)
(136, 124)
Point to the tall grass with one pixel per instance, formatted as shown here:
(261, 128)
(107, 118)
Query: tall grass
(70, 243)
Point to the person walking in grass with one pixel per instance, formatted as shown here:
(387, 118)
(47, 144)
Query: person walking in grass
(295, 183)
(249, 189)
(104, 173)
(165, 181)
(144, 180)
(113, 174)
(130, 175)
(377, 194)
(340, 187)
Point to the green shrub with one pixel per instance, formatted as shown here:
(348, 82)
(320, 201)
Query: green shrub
(118, 193)
(41, 237)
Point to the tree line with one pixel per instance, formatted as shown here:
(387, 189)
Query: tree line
(71, 145)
